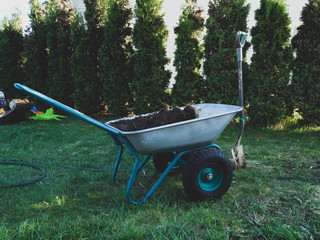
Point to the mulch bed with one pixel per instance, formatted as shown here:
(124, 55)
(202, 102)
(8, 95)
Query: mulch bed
(162, 117)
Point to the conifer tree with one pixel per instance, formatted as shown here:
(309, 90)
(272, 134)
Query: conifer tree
(271, 61)
(58, 23)
(151, 79)
(116, 52)
(225, 19)
(188, 55)
(11, 51)
(79, 62)
(88, 93)
(306, 67)
(35, 48)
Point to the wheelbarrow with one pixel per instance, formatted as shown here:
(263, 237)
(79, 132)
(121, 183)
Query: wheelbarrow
(186, 147)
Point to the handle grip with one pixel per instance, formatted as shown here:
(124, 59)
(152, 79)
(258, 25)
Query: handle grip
(240, 39)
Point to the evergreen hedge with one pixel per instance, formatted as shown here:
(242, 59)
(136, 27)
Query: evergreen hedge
(151, 79)
(58, 22)
(11, 50)
(271, 61)
(56, 34)
(188, 55)
(35, 49)
(116, 52)
(226, 18)
(79, 65)
(87, 38)
(306, 67)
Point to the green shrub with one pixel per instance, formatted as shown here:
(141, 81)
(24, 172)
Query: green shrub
(188, 55)
(87, 37)
(306, 67)
(11, 50)
(151, 79)
(83, 87)
(116, 52)
(58, 22)
(226, 17)
(270, 68)
(35, 48)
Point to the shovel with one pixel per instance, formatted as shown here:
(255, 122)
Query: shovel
(237, 150)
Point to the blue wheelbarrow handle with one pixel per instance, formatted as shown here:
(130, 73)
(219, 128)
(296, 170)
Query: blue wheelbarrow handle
(67, 109)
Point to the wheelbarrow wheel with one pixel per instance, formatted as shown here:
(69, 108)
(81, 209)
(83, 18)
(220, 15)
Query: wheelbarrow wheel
(161, 162)
(208, 174)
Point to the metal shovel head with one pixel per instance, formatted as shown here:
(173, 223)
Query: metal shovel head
(238, 156)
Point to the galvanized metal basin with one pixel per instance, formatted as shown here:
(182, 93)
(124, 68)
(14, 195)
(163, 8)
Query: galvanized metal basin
(202, 131)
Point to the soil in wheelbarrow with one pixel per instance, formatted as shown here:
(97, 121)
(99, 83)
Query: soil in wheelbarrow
(162, 117)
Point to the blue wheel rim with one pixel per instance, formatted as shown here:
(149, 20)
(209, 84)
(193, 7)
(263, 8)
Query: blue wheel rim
(210, 177)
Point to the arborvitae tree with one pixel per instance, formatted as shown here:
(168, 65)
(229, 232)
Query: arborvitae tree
(306, 67)
(116, 69)
(271, 60)
(85, 63)
(58, 23)
(188, 55)
(35, 48)
(226, 17)
(151, 79)
(11, 49)
(79, 59)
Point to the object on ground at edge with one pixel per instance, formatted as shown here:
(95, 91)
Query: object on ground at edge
(36, 111)
(13, 110)
(48, 115)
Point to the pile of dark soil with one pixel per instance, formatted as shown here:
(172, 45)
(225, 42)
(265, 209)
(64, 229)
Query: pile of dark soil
(162, 117)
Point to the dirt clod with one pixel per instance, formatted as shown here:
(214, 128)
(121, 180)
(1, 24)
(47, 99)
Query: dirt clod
(162, 117)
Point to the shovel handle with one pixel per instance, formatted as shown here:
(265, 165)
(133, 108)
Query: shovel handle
(239, 42)
(240, 39)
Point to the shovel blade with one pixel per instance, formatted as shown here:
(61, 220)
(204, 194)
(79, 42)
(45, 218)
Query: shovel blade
(238, 156)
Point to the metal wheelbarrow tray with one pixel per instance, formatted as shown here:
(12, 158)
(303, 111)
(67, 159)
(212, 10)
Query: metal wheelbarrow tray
(198, 132)
(184, 146)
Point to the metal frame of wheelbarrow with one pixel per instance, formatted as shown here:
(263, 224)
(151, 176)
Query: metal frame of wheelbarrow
(208, 173)
(119, 140)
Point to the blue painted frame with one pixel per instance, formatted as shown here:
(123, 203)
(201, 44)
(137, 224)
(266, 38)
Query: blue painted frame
(119, 140)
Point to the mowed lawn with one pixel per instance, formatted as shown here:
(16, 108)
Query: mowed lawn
(276, 197)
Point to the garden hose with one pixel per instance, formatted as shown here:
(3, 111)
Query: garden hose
(44, 173)
(19, 163)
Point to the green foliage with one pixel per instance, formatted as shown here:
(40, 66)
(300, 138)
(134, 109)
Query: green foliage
(306, 67)
(151, 79)
(226, 17)
(116, 52)
(86, 40)
(83, 87)
(35, 48)
(58, 23)
(95, 15)
(11, 50)
(271, 61)
(188, 55)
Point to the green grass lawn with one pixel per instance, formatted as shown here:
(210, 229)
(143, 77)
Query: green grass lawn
(276, 197)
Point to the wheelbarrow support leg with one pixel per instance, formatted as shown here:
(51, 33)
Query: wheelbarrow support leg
(116, 166)
(137, 168)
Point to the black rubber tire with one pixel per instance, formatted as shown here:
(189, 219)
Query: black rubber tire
(221, 171)
(162, 160)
